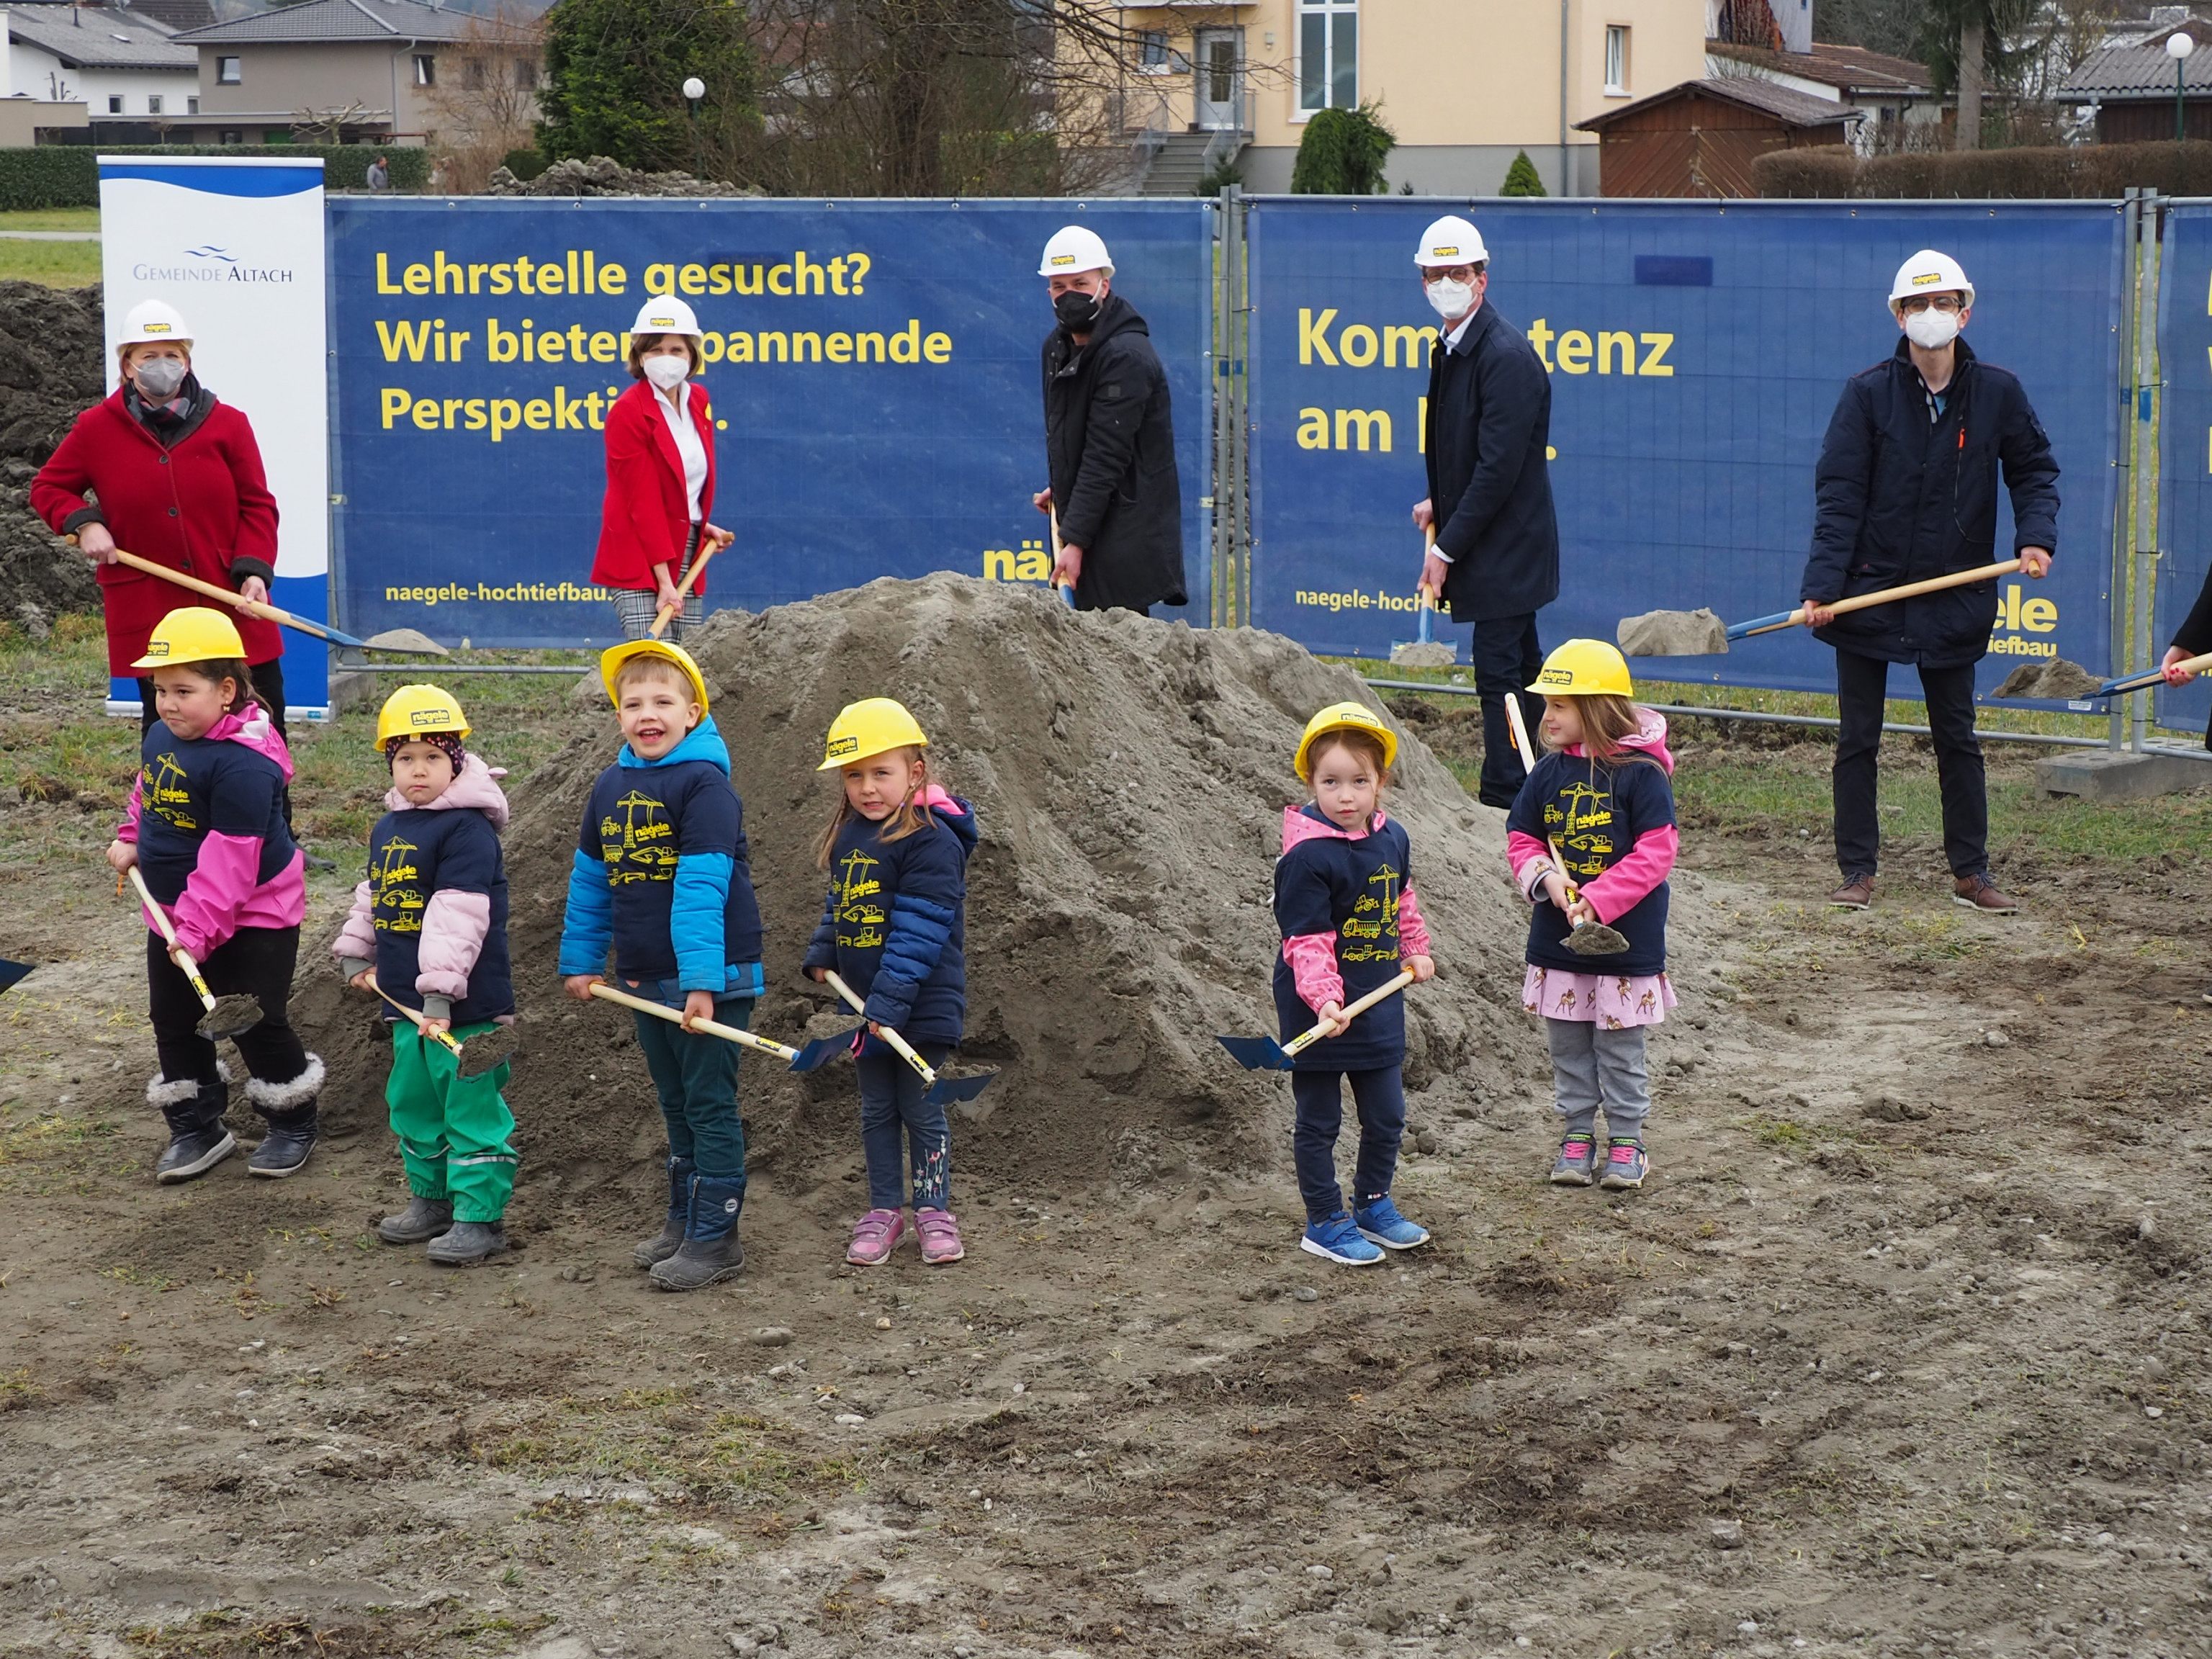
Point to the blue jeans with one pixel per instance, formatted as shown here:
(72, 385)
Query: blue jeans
(1379, 1096)
(697, 1077)
(892, 1100)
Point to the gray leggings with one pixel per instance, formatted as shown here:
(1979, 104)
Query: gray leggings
(1592, 1067)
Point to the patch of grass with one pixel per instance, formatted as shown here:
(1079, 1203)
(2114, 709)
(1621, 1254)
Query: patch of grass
(48, 1136)
(18, 1390)
(82, 218)
(56, 265)
(1789, 1135)
(730, 1457)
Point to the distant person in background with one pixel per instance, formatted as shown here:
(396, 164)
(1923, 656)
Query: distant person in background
(1496, 559)
(173, 476)
(379, 174)
(660, 478)
(1906, 488)
(1108, 440)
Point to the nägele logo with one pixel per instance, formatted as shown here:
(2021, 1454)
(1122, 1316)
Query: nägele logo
(660, 322)
(1441, 251)
(1556, 677)
(427, 717)
(1932, 276)
(841, 747)
(153, 328)
(157, 648)
(1063, 258)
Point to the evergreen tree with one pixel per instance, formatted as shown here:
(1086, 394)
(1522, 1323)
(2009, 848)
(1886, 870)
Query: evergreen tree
(615, 70)
(1342, 154)
(1521, 178)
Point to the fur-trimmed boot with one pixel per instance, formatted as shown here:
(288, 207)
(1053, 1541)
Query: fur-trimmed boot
(289, 1110)
(709, 1252)
(198, 1139)
(662, 1244)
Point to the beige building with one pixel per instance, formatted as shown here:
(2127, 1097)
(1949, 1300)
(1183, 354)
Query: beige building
(1464, 84)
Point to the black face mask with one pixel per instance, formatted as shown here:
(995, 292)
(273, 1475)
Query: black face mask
(1077, 310)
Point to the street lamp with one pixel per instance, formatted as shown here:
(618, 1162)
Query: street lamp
(2179, 46)
(695, 89)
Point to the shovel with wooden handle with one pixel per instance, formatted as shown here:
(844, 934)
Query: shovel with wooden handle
(1066, 589)
(1586, 939)
(1662, 633)
(795, 1059)
(397, 639)
(227, 1016)
(1264, 1053)
(942, 1091)
(485, 1052)
(668, 612)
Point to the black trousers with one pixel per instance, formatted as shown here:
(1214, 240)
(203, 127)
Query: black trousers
(1506, 658)
(268, 692)
(1861, 687)
(255, 961)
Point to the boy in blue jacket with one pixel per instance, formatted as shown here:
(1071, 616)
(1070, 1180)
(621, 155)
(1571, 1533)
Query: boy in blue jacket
(661, 876)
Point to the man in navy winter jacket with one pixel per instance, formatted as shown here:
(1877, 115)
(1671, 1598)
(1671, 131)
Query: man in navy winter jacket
(1906, 488)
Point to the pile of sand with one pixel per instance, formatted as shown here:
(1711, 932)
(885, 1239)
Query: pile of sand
(1129, 780)
(2055, 680)
(1699, 633)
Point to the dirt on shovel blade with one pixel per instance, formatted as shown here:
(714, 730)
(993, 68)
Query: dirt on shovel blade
(2056, 680)
(406, 639)
(1699, 633)
(1423, 653)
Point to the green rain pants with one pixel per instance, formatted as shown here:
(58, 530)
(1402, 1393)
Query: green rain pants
(454, 1132)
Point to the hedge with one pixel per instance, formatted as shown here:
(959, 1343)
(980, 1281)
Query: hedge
(2077, 172)
(68, 175)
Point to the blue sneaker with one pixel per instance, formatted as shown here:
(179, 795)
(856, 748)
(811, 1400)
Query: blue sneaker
(1379, 1223)
(1337, 1240)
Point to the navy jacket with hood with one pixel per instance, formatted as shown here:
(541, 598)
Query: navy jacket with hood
(1899, 497)
(661, 874)
(894, 922)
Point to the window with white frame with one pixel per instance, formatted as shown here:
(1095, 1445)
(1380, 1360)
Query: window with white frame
(1616, 59)
(426, 70)
(1152, 51)
(115, 103)
(193, 105)
(1329, 55)
(153, 103)
(226, 72)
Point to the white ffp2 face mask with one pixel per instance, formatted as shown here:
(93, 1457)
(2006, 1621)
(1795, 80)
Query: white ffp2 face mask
(1932, 329)
(667, 372)
(1451, 299)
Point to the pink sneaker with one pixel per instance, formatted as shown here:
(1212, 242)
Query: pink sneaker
(940, 1237)
(875, 1236)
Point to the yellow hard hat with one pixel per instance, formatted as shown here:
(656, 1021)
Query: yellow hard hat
(873, 726)
(419, 711)
(193, 634)
(614, 657)
(1585, 668)
(1346, 717)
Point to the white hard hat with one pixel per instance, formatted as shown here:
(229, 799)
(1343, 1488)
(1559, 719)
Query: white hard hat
(1072, 249)
(1931, 272)
(152, 320)
(666, 316)
(1451, 241)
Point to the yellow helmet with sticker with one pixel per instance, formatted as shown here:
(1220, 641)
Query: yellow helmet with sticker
(1344, 717)
(193, 633)
(874, 726)
(420, 711)
(611, 661)
(1585, 668)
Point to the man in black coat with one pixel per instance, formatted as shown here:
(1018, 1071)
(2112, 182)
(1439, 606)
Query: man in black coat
(1108, 440)
(1495, 560)
(1906, 488)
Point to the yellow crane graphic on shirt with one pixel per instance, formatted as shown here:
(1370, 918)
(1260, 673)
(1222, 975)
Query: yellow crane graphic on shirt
(860, 902)
(1369, 933)
(398, 904)
(161, 788)
(1581, 826)
(640, 838)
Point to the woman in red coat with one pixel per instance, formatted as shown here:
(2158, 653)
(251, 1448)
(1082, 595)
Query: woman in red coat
(176, 478)
(660, 476)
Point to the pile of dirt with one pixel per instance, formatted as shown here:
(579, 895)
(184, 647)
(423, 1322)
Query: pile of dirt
(603, 176)
(1697, 632)
(51, 368)
(1129, 780)
(2054, 681)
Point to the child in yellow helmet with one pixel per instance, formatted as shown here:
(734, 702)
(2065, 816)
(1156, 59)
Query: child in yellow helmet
(428, 929)
(206, 828)
(1350, 923)
(894, 929)
(1602, 793)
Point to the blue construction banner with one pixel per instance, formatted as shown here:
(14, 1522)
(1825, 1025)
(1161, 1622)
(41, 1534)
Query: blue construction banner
(873, 367)
(1697, 352)
(2185, 351)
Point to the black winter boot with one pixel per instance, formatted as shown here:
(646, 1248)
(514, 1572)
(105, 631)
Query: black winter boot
(710, 1251)
(198, 1139)
(423, 1219)
(289, 1110)
(468, 1243)
(662, 1244)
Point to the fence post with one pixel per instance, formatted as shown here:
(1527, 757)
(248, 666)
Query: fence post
(2124, 497)
(1229, 449)
(2150, 379)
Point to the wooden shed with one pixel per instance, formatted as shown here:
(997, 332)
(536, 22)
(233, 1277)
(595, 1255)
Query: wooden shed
(1700, 138)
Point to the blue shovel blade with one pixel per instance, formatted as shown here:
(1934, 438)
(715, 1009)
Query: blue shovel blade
(1257, 1054)
(951, 1091)
(820, 1052)
(12, 971)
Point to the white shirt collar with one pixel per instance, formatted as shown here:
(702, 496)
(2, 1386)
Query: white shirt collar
(1452, 337)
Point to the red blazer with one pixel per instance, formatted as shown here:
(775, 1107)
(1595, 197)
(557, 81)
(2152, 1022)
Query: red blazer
(646, 515)
(202, 506)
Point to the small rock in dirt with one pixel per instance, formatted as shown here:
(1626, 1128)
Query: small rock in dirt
(883, 1323)
(850, 1420)
(1319, 1571)
(2145, 1228)
(772, 1336)
(1748, 1627)
(1728, 1535)
(743, 1644)
(33, 620)
(2153, 1411)
(1996, 1039)
(1426, 1142)
(1306, 1293)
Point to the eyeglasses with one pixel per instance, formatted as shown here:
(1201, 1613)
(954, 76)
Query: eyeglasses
(1920, 302)
(1453, 273)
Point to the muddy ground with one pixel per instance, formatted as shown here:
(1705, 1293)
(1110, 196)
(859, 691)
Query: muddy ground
(1900, 1352)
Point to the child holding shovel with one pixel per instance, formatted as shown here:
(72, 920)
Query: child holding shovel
(428, 929)
(205, 829)
(1601, 795)
(662, 876)
(894, 929)
(1350, 923)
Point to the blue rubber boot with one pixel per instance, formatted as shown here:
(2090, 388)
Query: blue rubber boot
(663, 1244)
(710, 1251)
